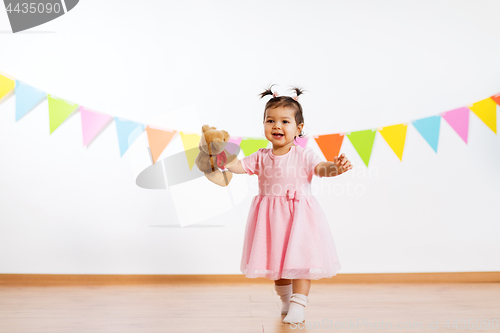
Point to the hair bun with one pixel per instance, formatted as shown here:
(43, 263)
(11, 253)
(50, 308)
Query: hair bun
(298, 91)
(268, 91)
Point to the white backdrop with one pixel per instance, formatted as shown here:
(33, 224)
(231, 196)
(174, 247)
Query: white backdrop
(366, 64)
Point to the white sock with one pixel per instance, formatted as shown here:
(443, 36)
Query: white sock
(296, 311)
(284, 292)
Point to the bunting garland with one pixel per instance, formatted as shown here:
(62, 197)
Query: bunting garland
(93, 123)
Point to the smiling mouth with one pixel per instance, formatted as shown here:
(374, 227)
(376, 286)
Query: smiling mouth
(278, 136)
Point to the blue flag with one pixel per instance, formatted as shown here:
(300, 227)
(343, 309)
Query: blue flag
(27, 98)
(429, 129)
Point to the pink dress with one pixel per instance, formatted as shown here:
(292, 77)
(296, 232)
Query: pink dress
(287, 233)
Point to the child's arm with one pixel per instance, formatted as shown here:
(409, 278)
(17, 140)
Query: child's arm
(331, 169)
(248, 164)
(233, 164)
(236, 167)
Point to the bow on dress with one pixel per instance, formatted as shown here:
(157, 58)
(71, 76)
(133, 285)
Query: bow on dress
(293, 195)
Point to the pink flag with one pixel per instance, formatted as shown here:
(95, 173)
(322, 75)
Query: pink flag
(301, 141)
(92, 124)
(236, 140)
(459, 121)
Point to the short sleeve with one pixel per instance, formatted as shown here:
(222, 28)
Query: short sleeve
(312, 160)
(250, 163)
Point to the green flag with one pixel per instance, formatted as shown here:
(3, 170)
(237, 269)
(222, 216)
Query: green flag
(59, 111)
(251, 145)
(363, 142)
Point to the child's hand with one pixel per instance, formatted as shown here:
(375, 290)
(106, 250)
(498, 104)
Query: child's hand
(342, 164)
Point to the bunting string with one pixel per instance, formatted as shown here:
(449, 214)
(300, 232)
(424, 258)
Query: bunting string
(93, 123)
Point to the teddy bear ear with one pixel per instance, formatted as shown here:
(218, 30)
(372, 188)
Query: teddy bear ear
(205, 128)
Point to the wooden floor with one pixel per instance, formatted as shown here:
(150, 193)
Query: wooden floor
(251, 307)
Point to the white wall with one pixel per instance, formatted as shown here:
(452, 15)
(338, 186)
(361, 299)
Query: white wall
(366, 64)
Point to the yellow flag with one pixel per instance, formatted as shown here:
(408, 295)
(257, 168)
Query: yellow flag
(190, 141)
(486, 110)
(6, 87)
(395, 136)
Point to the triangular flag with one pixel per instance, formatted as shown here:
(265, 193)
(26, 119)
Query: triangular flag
(236, 142)
(92, 123)
(496, 98)
(459, 121)
(251, 145)
(301, 141)
(330, 145)
(27, 98)
(6, 87)
(127, 131)
(486, 110)
(59, 111)
(363, 143)
(191, 141)
(429, 128)
(395, 136)
(158, 140)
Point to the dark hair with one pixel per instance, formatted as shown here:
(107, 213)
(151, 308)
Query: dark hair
(285, 101)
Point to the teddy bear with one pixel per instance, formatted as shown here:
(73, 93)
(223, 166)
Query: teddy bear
(213, 156)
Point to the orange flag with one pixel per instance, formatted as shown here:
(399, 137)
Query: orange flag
(330, 144)
(496, 98)
(158, 140)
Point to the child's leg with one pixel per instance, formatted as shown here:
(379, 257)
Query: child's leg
(298, 301)
(283, 288)
(301, 286)
(282, 282)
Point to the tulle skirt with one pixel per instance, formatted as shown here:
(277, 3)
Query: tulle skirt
(288, 239)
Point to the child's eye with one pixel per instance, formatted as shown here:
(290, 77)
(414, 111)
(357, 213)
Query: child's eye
(285, 121)
(269, 120)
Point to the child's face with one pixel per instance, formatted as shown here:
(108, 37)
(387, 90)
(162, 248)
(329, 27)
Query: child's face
(281, 120)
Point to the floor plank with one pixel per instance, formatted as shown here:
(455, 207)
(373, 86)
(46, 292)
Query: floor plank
(205, 307)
